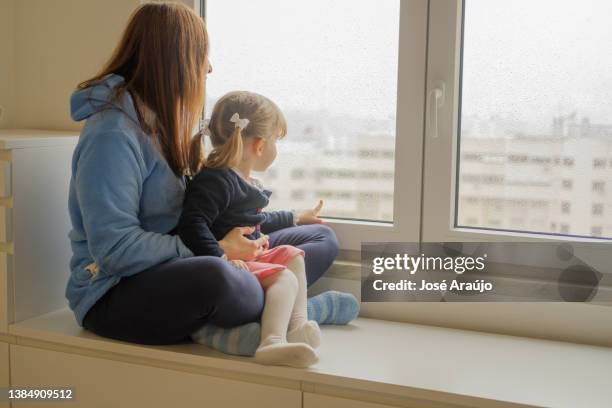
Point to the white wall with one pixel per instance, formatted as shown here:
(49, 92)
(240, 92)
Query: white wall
(47, 47)
(58, 44)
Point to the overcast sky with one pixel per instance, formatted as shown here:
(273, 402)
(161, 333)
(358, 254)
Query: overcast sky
(535, 58)
(529, 59)
(339, 55)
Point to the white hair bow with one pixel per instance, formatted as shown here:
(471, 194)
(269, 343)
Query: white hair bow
(241, 123)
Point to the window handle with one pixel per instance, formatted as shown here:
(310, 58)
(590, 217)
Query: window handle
(436, 98)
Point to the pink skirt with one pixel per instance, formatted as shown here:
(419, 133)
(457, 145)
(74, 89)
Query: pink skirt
(273, 260)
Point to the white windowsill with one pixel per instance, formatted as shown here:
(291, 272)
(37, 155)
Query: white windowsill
(380, 361)
(574, 322)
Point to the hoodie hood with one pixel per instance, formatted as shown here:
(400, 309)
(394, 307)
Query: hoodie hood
(88, 101)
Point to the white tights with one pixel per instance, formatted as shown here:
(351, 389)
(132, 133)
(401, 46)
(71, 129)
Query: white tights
(287, 336)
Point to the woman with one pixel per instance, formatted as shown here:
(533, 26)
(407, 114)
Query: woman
(131, 279)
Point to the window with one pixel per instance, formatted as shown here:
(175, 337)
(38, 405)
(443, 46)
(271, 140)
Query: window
(493, 113)
(529, 90)
(599, 186)
(599, 163)
(490, 137)
(509, 129)
(566, 207)
(349, 77)
(598, 209)
(332, 67)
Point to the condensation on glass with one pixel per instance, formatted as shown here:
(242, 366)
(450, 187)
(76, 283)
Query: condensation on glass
(536, 117)
(332, 68)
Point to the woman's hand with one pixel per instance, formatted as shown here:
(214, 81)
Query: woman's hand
(237, 246)
(266, 242)
(310, 216)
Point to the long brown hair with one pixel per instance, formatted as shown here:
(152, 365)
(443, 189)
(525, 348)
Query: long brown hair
(266, 120)
(163, 57)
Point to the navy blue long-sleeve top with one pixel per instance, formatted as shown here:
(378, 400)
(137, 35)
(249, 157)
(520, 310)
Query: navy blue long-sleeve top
(218, 200)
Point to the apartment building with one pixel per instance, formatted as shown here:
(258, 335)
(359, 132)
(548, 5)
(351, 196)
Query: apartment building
(556, 183)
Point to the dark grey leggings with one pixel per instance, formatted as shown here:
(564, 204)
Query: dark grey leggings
(166, 303)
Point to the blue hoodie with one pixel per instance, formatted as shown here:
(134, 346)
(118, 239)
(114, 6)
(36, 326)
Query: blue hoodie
(123, 198)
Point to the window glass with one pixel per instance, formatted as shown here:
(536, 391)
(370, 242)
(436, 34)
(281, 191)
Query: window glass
(331, 66)
(535, 150)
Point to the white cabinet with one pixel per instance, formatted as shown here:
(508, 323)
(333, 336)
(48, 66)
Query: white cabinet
(34, 222)
(4, 292)
(4, 365)
(108, 383)
(4, 370)
(5, 237)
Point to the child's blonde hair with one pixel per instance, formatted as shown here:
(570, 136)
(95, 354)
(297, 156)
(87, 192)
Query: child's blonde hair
(265, 120)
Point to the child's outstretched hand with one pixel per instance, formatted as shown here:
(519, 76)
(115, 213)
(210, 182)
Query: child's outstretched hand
(310, 216)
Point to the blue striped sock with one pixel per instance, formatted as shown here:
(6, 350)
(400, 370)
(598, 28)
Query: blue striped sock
(333, 307)
(241, 340)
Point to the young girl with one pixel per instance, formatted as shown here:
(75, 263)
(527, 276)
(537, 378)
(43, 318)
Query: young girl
(244, 128)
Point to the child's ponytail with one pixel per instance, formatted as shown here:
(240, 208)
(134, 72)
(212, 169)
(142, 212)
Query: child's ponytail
(229, 153)
(226, 155)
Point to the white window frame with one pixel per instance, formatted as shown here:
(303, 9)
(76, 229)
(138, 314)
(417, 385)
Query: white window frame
(578, 322)
(424, 196)
(440, 161)
(408, 141)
